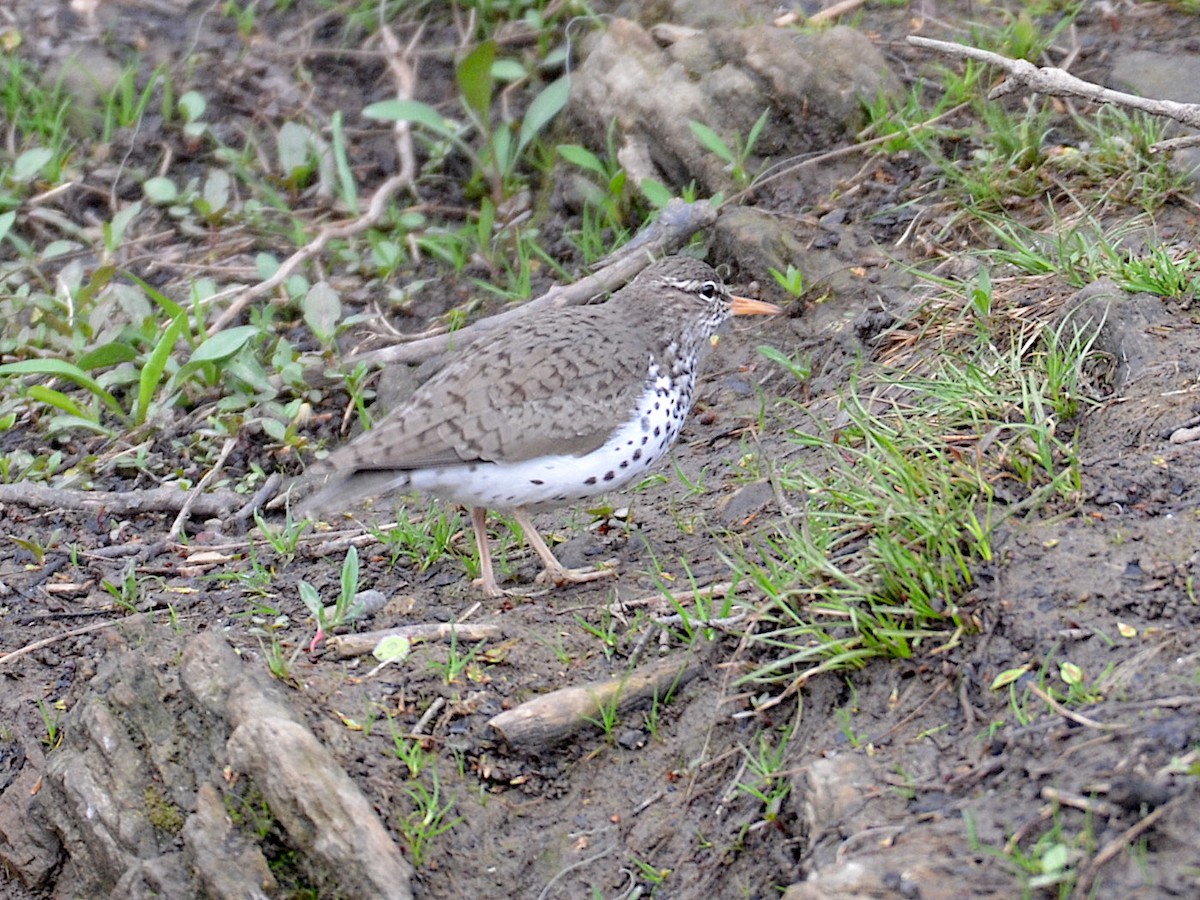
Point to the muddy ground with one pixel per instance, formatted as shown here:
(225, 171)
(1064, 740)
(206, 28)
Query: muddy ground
(917, 772)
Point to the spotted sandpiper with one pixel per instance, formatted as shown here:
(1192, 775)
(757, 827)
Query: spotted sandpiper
(557, 408)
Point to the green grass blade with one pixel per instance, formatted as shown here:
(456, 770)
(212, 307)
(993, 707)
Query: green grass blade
(155, 365)
(61, 369)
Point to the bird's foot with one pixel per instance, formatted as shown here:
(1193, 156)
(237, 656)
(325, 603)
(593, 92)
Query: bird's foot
(487, 584)
(561, 575)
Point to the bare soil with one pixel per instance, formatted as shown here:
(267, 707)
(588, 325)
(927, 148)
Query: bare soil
(943, 771)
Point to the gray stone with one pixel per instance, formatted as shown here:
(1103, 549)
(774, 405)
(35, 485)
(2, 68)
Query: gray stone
(812, 86)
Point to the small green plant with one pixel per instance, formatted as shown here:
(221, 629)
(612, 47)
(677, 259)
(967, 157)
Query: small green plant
(125, 105)
(284, 541)
(607, 204)
(347, 607)
(128, 592)
(1050, 864)
(279, 661)
(799, 367)
(648, 874)
(457, 663)
(428, 820)
(652, 718)
(423, 540)
(1161, 272)
(191, 108)
(605, 632)
(765, 778)
(36, 118)
(896, 516)
(50, 721)
(607, 716)
(735, 157)
(845, 720)
(161, 812)
(410, 750)
(791, 281)
(132, 377)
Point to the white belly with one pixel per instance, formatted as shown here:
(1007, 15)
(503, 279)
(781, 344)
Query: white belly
(548, 481)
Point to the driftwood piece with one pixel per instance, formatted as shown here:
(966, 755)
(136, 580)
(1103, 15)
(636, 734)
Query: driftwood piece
(551, 718)
(678, 222)
(346, 645)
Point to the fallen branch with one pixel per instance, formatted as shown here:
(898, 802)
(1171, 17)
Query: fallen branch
(1059, 83)
(170, 498)
(347, 645)
(552, 718)
(678, 222)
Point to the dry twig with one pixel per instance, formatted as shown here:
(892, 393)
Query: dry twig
(1059, 83)
(346, 645)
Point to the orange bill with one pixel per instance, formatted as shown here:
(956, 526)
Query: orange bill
(744, 306)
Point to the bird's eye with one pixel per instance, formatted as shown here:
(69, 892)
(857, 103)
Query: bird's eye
(709, 290)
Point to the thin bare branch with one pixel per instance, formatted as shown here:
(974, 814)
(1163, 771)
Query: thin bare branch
(1059, 83)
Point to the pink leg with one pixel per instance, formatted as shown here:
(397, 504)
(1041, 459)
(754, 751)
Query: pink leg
(556, 572)
(486, 579)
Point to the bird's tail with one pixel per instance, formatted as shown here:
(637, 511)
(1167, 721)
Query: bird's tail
(347, 489)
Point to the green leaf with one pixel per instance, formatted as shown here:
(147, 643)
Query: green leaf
(223, 344)
(191, 106)
(1008, 676)
(392, 648)
(756, 129)
(312, 600)
(115, 233)
(266, 265)
(294, 146)
(30, 163)
(274, 429)
(350, 573)
(58, 400)
(170, 307)
(508, 70)
(160, 189)
(711, 141)
(583, 158)
(410, 111)
(545, 106)
(218, 188)
(6, 222)
(344, 174)
(61, 369)
(155, 365)
(657, 193)
(1070, 673)
(71, 423)
(322, 310)
(107, 355)
(474, 75)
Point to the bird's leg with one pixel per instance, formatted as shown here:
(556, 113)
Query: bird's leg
(486, 579)
(556, 572)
